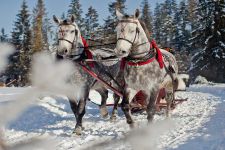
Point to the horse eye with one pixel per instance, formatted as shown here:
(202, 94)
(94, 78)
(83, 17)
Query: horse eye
(72, 31)
(76, 32)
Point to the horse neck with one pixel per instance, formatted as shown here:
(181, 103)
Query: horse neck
(142, 43)
(78, 44)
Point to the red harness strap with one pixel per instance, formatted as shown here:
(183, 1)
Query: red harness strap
(141, 62)
(159, 58)
(158, 53)
(87, 52)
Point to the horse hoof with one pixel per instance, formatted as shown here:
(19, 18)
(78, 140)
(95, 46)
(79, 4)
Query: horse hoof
(78, 130)
(168, 115)
(132, 125)
(113, 118)
(104, 113)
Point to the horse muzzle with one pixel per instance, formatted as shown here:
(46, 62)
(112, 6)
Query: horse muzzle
(121, 53)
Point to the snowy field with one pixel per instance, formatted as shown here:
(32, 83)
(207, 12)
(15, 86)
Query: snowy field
(196, 124)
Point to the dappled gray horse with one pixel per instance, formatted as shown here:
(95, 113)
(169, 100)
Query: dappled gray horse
(72, 46)
(142, 70)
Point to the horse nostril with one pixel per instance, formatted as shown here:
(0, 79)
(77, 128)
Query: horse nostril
(123, 52)
(66, 51)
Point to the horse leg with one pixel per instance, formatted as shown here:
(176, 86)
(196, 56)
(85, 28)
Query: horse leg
(73, 105)
(80, 113)
(151, 105)
(115, 106)
(121, 81)
(169, 100)
(104, 95)
(126, 108)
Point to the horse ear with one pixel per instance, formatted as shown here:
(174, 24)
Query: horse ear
(72, 18)
(137, 13)
(119, 14)
(57, 21)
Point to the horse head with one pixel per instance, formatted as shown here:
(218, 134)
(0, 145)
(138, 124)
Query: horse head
(69, 37)
(130, 34)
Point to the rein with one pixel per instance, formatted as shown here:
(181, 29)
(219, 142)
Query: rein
(132, 43)
(75, 36)
(136, 33)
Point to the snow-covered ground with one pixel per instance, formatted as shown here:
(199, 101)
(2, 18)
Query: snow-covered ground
(196, 124)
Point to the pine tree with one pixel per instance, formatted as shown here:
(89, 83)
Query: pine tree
(181, 37)
(203, 24)
(165, 29)
(182, 23)
(47, 31)
(76, 10)
(192, 16)
(21, 38)
(41, 28)
(209, 61)
(146, 15)
(157, 23)
(63, 16)
(3, 36)
(119, 5)
(38, 13)
(91, 22)
(193, 22)
(110, 22)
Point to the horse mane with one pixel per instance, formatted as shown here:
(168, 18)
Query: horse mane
(143, 25)
(66, 22)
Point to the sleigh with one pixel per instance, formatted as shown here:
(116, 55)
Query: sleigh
(138, 103)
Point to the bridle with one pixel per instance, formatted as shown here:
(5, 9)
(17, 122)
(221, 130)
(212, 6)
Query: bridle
(73, 43)
(122, 31)
(133, 46)
(62, 34)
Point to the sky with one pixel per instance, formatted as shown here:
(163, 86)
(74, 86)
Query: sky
(9, 8)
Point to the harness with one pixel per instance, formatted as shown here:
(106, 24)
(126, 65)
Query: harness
(150, 54)
(136, 34)
(85, 54)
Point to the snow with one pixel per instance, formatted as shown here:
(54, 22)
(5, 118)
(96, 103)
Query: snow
(201, 80)
(218, 32)
(181, 81)
(5, 51)
(222, 44)
(209, 37)
(196, 124)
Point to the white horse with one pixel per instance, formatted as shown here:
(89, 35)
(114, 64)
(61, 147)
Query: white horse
(142, 70)
(72, 46)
